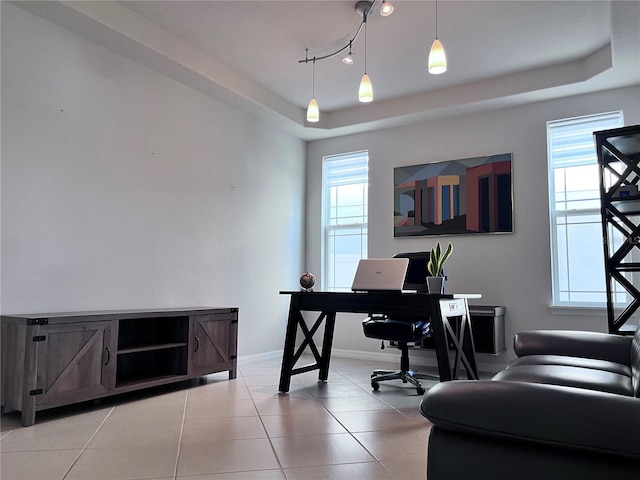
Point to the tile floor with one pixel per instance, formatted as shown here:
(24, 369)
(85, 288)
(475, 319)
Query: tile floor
(214, 429)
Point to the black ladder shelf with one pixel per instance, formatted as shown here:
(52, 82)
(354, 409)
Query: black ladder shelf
(619, 165)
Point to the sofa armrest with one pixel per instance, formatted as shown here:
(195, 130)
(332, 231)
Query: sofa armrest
(596, 345)
(547, 414)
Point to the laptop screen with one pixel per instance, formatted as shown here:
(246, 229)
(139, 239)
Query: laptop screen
(378, 274)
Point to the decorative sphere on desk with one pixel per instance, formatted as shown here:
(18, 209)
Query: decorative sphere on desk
(307, 281)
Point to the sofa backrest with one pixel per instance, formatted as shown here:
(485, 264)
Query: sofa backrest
(635, 362)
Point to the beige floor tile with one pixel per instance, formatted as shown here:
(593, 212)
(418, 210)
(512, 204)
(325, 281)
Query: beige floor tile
(415, 415)
(331, 389)
(125, 463)
(301, 424)
(396, 444)
(310, 378)
(43, 465)
(270, 391)
(202, 430)
(253, 475)
(399, 396)
(259, 369)
(256, 380)
(218, 391)
(286, 405)
(224, 408)
(350, 471)
(160, 407)
(374, 420)
(231, 456)
(230, 430)
(353, 404)
(137, 432)
(315, 450)
(56, 433)
(407, 468)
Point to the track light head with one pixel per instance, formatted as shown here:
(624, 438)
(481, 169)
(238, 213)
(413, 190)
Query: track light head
(386, 8)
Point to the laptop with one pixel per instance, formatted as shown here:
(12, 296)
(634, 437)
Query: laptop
(380, 274)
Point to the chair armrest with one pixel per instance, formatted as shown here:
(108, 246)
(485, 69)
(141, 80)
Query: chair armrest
(548, 414)
(596, 345)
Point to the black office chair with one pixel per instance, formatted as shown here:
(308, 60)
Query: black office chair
(402, 331)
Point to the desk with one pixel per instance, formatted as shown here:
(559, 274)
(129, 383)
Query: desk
(328, 304)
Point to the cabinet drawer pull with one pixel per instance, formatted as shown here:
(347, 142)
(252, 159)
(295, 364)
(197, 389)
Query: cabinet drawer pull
(108, 356)
(197, 343)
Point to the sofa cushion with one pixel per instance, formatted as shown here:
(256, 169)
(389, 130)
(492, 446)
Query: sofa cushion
(572, 362)
(569, 376)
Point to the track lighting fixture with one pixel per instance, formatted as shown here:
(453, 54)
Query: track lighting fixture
(437, 57)
(365, 92)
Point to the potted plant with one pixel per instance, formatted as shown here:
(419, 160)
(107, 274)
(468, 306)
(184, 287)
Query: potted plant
(435, 267)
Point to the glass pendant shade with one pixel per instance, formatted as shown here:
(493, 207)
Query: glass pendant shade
(437, 58)
(348, 59)
(365, 94)
(313, 113)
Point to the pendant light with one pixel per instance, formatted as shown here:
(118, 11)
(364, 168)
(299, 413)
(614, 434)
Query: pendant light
(437, 57)
(313, 113)
(365, 93)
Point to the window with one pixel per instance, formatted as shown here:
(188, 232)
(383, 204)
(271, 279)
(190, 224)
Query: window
(574, 202)
(345, 186)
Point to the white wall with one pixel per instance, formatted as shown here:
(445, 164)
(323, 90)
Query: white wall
(122, 188)
(513, 270)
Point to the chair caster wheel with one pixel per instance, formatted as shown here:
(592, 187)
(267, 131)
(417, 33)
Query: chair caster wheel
(420, 391)
(375, 386)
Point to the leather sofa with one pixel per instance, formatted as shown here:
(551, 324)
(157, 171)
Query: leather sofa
(567, 408)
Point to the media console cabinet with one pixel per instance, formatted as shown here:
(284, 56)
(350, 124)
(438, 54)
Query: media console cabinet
(50, 360)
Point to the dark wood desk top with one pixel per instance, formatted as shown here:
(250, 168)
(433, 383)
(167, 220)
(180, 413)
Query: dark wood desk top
(389, 303)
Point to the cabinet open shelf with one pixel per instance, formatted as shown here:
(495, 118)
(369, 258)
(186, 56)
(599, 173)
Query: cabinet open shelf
(151, 346)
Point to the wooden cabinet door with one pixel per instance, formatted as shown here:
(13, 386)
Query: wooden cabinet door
(76, 362)
(213, 344)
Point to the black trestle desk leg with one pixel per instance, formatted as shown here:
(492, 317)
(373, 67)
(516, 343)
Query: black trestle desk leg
(327, 342)
(289, 345)
(440, 340)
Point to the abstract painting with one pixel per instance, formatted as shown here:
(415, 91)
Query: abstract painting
(472, 195)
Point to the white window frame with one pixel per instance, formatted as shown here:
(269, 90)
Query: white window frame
(570, 146)
(345, 197)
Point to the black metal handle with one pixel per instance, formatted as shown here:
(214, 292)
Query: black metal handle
(197, 343)
(108, 356)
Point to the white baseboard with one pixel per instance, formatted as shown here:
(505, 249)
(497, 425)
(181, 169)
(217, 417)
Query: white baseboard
(419, 358)
(260, 357)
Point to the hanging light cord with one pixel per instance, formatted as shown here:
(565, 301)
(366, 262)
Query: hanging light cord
(306, 58)
(436, 18)
(313, 79)
(364, 22)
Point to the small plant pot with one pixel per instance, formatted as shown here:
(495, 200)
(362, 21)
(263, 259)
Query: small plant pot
(435, 284)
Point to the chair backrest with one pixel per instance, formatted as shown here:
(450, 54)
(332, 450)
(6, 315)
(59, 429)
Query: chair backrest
(416, 271)
(635, 362)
